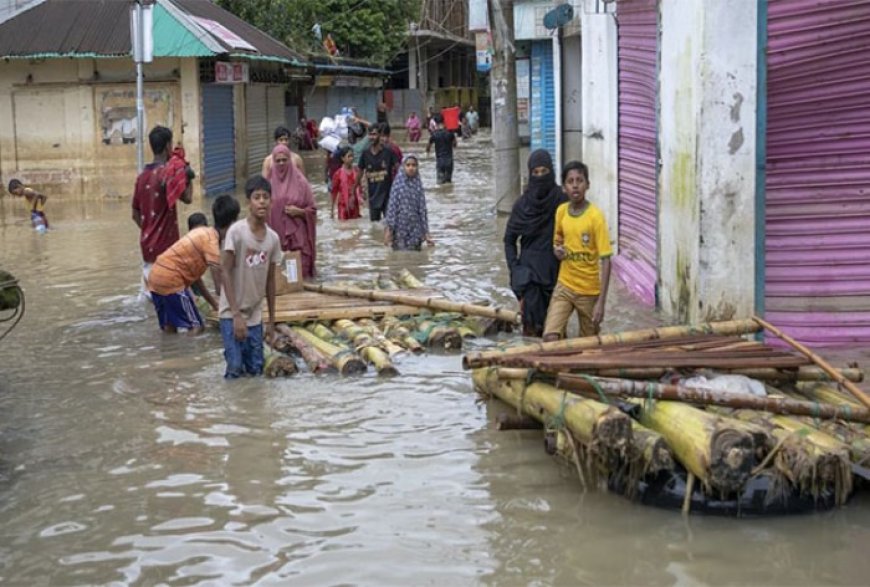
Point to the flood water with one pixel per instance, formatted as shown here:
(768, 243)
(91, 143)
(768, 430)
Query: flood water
(125, 458)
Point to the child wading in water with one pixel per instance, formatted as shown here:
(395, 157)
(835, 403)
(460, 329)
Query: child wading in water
(346, 194)
(407, 221)
(250, 250)
(581, 242)
(35, 201)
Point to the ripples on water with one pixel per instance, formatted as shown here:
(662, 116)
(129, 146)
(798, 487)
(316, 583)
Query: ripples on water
(126, 459)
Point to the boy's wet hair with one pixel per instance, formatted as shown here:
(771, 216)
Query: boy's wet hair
(14, 184)
(160, 138)
(257, 182)
(195, 220)
(282, 131)
(575, 166)
(225, 210)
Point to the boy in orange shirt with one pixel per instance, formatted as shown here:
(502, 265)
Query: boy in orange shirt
(182, 266)
(580, 242)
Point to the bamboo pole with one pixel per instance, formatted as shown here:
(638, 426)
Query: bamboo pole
(408, 279)
(385, 343)
(802, 374)
(316, 361)
(734, 327)
(367, 347)
(278, 365)
(443, 336)
(430, 302)
(345, 360)
(394, 329)
(706, 396)
(824, 365)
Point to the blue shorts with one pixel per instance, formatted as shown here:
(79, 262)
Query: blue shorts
(178, 310)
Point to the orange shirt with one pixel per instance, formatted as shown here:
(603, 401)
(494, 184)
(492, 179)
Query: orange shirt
(183, 263)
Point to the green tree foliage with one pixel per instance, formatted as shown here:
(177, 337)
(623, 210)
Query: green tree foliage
(372, 30)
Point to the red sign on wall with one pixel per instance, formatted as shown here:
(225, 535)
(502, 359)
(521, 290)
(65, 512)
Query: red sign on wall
(230, 73)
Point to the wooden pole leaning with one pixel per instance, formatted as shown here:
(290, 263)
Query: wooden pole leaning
(704, 396)
(824, 365)
(730, 328)
(432, 303)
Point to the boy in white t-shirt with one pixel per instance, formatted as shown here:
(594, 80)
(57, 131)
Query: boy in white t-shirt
(250, 249)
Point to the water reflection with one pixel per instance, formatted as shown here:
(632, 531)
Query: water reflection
(125, 457)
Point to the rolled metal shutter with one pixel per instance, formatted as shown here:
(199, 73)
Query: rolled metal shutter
(257, 130)
(275, 109)
(817, 207)
(218, 139)
(543, 118)
(636, 264)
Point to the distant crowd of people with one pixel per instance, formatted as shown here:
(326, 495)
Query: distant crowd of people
(368, 170)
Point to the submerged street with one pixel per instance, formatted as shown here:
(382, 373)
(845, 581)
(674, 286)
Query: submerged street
(126, 458)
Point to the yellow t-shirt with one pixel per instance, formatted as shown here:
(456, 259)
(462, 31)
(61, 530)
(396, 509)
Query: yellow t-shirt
(586, 241)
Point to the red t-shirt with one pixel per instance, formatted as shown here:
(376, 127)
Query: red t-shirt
(159, 221)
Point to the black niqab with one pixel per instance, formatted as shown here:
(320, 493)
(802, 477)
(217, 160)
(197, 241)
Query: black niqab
(536, 208)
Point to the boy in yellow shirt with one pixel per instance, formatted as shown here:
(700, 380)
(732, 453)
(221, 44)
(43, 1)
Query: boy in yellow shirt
(581, 242)
(35, 201)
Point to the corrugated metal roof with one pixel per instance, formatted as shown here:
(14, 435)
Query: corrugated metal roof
(100, 28)
(267, 46)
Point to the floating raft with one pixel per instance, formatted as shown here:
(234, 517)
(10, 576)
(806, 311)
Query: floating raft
(349, 329)
(306, 306)
(631, 411)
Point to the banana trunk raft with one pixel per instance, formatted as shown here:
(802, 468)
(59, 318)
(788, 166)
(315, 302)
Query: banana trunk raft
(354, 329)
(702, 418)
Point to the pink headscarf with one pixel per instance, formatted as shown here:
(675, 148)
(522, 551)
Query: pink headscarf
(290, 188)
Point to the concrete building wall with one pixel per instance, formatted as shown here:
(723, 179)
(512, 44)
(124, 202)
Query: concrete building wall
(65, 124)
(707, 145)
(599, 114)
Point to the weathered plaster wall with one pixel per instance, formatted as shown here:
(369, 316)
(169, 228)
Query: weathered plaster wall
(53, 117)
(600, 115)
(572, 99)
(707, 146)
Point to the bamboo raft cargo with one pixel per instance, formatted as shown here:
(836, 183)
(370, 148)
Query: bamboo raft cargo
(767, 431)
(346, 329)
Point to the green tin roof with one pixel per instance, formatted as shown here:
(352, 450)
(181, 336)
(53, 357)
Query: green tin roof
(173, 39)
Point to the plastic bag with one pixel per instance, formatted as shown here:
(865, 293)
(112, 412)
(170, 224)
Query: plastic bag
(737, 384)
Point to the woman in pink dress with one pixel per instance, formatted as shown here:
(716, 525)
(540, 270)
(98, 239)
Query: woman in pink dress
(294, 214)
(414, 128)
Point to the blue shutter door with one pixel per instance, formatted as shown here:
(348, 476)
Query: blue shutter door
(218, 139)
(542, 122)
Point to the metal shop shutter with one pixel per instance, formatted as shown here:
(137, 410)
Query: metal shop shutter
(542, 123)
(218, 139)
(817, 186)
(636, 264)
(275, 109)
(258, 134)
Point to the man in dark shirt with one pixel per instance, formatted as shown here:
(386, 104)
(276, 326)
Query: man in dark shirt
(378, 164)
(444, 141)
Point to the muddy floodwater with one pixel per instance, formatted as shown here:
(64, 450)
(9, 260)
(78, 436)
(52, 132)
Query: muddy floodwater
(125, 458)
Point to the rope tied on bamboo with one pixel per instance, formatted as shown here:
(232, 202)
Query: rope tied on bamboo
(530, 377)
(591, 381)
(556, 422)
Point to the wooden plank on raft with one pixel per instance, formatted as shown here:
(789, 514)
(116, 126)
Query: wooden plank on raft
(374, 312)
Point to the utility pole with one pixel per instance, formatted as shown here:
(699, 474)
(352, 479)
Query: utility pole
(503, 92)
(143, 50)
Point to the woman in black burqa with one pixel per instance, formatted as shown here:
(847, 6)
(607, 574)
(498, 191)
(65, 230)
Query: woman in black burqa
(535, 269)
